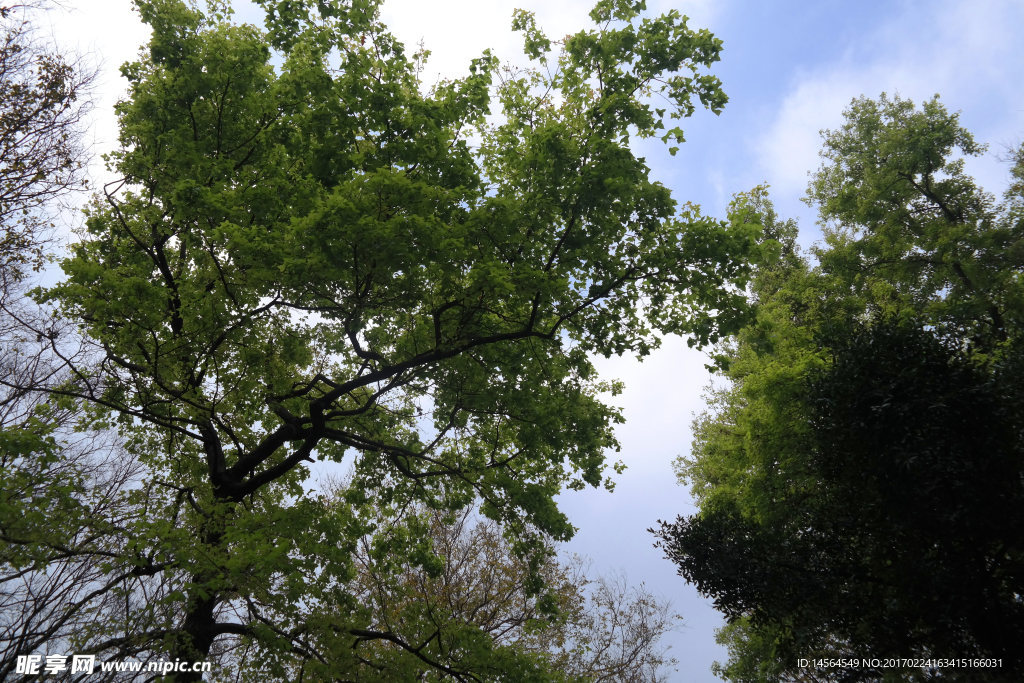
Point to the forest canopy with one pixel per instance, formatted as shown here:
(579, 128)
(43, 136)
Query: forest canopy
(860, 474)
(322, 360)
(304, 260)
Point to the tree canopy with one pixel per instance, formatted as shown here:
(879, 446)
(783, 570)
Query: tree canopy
(311, 258)
(860, 477)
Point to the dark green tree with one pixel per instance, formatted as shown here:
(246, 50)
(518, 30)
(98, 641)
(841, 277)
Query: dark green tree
(307, 261)
(861, 479)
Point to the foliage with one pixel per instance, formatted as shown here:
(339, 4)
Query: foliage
(602, 629)
(912, 227)
(306, 262)
(43, 105)
(860, 477)
(752, 657)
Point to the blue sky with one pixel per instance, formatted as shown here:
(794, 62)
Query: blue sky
(789, 68)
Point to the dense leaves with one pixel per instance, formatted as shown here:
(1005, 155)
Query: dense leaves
(912, 227)
(900, 533)
(861, 479)
(306, 263)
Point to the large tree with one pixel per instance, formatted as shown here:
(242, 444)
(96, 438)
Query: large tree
(307, 261)
(860, 478)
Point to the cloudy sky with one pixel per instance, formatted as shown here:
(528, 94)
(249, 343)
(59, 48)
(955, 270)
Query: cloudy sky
(789, 68)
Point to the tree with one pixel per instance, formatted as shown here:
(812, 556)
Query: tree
(603, 629)
(309, 263)
(581, 628)
(910, 224)
(860, 482)
(894, 533)
(56, 485)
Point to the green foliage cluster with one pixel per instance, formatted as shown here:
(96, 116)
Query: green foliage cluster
(860, 477)
(306, 261)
